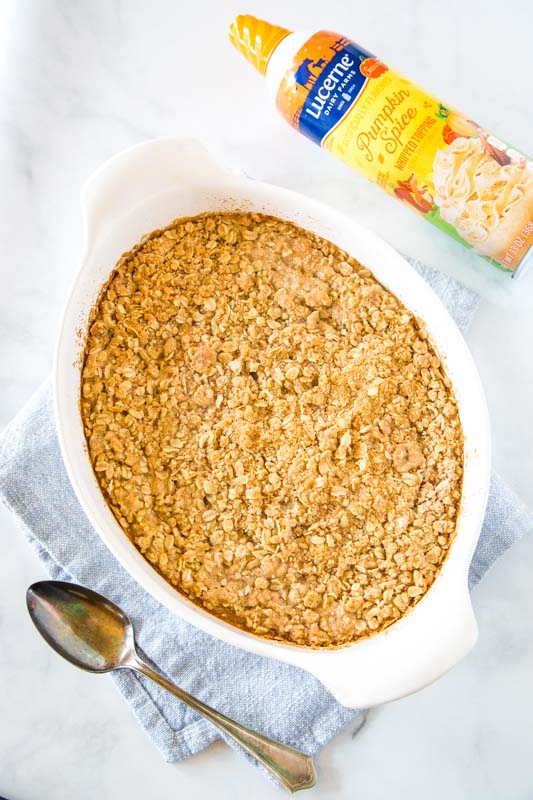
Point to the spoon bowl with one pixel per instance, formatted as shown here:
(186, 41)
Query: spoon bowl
(82, 626)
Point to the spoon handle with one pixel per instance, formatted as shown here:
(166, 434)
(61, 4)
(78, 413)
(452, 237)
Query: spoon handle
(293, 769)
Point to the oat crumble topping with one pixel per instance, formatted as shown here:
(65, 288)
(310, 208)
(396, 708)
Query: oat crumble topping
(272, 428)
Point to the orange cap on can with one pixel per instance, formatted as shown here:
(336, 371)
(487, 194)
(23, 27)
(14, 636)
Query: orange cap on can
(256, 39)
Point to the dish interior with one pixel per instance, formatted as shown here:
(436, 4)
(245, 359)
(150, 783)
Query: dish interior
(272, 428)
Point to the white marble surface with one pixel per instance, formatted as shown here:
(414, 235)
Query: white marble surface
(82, 80)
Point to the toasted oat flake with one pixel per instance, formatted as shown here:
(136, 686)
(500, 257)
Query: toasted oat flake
(272, 429)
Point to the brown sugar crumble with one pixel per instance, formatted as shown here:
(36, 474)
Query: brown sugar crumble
(272, 428)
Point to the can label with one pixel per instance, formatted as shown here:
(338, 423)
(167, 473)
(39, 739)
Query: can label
(447, 167)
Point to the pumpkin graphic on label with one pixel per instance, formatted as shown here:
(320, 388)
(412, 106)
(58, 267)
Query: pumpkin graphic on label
(372, 68)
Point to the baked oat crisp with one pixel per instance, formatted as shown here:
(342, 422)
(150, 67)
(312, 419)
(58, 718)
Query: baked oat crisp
(272, 429)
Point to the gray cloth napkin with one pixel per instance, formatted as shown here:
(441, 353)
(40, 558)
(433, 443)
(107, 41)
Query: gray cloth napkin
(278, 700)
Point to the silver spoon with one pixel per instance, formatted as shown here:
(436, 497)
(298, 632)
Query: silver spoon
(94, 634)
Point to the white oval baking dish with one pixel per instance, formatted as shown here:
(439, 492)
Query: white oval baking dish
(145, 188)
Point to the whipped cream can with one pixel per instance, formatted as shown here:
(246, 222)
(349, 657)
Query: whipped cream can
(452, 171)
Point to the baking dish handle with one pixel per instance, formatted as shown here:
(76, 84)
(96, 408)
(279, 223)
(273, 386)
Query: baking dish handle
(129, 178)
(428, 643)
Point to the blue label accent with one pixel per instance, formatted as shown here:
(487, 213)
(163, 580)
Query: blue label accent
(333, 92)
